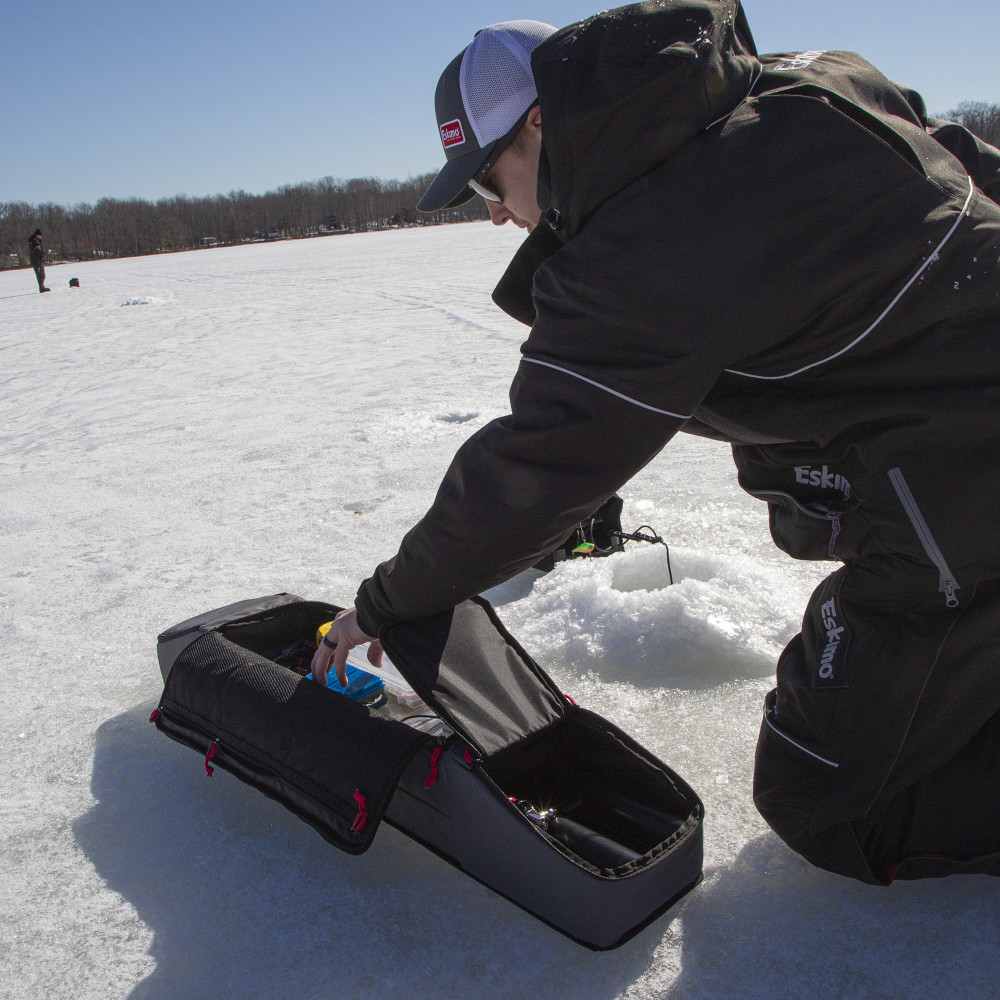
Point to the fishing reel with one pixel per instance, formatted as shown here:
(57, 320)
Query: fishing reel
(601, 535)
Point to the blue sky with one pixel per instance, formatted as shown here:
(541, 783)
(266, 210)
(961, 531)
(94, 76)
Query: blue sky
(183, 97)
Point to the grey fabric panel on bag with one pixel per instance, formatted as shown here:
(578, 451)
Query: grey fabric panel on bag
(471, 823)
(465, 664)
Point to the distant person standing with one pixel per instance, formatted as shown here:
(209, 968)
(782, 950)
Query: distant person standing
(36, 254)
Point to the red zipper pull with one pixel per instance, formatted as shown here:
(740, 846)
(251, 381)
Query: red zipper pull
(212, 751)
(362, 817)
(433, 776)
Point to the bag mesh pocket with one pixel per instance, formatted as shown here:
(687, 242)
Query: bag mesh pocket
(330, 760)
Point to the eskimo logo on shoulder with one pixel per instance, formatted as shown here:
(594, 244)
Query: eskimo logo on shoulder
(799, 61)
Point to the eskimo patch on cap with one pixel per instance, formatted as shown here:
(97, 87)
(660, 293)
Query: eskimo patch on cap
(452, 134)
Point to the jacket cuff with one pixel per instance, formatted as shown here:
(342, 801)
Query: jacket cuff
(366, 610)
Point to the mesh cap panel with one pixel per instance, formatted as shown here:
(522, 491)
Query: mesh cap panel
(496, 80)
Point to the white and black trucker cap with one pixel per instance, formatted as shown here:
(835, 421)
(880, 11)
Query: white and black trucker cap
(482, 99)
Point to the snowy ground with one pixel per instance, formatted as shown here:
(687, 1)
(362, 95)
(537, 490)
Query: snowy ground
(186, 431)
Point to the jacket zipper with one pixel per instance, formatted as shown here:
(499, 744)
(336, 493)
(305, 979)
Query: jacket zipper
(831, 515)
(946, 579)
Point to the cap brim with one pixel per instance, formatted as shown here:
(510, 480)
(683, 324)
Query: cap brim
(451, 186)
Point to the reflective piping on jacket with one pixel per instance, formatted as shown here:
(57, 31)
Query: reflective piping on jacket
(885, 312)
(620, 395)
(740, 105)
(775, 729)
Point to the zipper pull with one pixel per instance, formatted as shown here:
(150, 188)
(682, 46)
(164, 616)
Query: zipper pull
(834, 516)
(362, 817)
(949, 587)
(212, 751)
(433, 776)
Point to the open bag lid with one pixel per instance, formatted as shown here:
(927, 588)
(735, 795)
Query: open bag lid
(475, 675)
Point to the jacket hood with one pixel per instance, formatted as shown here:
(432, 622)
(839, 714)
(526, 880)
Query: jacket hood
(623, 90)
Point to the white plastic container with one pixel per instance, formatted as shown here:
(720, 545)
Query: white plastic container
(404, 703)
(395, 685)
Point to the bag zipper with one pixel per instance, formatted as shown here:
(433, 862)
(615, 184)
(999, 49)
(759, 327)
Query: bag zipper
(191, 734)
(181, 728)
(946, 579)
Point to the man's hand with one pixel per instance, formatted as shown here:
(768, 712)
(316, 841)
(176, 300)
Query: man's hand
(343, 636)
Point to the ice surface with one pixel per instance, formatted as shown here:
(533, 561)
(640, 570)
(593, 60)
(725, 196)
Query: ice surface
(273, 418)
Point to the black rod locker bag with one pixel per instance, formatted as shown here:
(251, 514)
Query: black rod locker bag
(542, 801)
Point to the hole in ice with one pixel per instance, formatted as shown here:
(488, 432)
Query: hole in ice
(646, 568)
(360, 506)
(643, 569)
(456, 418)
(726, 618)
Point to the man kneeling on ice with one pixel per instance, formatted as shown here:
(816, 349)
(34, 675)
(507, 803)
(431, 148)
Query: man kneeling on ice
(783, 252)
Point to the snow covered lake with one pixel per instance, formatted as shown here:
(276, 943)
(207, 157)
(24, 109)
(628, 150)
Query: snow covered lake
(185, 431)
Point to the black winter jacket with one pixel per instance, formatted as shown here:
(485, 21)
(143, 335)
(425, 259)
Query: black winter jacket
(780, 251)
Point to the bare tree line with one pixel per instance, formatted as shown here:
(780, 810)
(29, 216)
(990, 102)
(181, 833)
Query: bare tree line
(128, 227)
(979, 118)
(115, 227)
